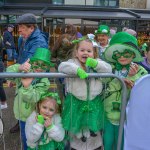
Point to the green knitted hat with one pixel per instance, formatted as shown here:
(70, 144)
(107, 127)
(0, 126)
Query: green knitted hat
(103, 29)
(41, 54)
(122, 41)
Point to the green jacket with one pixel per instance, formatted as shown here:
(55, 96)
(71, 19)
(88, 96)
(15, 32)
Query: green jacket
(26, 98)
(112, 98)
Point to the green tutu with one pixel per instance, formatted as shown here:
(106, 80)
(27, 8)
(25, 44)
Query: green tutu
(78, 114)
(49, 146)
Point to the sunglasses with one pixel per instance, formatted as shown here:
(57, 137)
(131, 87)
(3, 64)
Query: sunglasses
(126, 54)
(37, 65)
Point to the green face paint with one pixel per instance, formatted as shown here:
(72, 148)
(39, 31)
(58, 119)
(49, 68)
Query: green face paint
(39, 64)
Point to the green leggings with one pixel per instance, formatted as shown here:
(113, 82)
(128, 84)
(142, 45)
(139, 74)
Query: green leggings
(110, 136)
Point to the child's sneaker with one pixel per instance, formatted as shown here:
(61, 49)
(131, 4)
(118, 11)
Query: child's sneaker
(3, 106)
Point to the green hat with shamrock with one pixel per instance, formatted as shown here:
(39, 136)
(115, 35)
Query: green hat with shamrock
(103, 29)
(120, 42)
(41, 54)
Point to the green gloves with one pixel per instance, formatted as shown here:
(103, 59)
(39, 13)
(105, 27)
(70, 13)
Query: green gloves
(40, 119)
(90, 62)
(81, 73)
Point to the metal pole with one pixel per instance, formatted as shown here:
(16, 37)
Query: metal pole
(123, 114)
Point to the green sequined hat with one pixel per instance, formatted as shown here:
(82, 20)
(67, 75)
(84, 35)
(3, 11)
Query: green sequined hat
(122, 41)
(41, 54)
(50, 94)
(103, 29)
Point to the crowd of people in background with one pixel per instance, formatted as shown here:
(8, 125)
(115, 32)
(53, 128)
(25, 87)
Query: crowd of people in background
(87, 117)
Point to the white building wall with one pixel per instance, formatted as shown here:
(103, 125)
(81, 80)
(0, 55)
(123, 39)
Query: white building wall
(148, 4)
(79, 2)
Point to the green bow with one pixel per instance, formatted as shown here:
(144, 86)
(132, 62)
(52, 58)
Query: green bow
(86, 108)
(88, 36)
(54, 95)
(120, 67)
(78, 40)
(91, 38)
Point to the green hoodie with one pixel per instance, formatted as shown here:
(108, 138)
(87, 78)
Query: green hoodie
(26, 98)
(112, 100)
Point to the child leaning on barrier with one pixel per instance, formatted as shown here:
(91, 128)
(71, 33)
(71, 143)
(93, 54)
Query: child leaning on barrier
(122, 52)
(82, 114)
(29, 90)
(43, 128)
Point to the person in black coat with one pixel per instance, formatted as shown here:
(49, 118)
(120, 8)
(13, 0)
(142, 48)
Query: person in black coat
(3, 103)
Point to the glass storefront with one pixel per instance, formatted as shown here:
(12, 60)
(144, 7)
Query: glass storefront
(106, 3)
(101, 3)
(56, 26)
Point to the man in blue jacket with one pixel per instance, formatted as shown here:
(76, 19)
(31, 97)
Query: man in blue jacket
(30, 39)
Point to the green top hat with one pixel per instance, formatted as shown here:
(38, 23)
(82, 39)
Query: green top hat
(103, 29)
(122, 41)
(41, 54)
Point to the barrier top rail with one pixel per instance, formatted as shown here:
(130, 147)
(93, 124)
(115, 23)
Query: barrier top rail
(91, 75)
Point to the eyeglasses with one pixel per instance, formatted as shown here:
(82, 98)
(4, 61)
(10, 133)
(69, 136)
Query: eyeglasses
(126, 54)
(41, 65)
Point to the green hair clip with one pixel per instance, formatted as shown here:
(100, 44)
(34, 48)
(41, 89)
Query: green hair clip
(53, 95)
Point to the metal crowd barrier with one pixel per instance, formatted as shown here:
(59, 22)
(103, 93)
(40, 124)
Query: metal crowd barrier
(91, 75)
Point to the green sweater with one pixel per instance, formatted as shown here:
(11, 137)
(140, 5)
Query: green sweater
(26, 98)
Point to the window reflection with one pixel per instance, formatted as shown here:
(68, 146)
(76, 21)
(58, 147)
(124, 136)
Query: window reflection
(57, 2)
(105, 2)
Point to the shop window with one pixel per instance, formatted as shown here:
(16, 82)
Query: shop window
(143, 32)
(106, 2)
(143, 37)
(57, 2)
(27, 1)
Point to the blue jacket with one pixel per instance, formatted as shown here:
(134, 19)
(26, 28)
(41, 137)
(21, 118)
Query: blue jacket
(8, 37)
(27, 49)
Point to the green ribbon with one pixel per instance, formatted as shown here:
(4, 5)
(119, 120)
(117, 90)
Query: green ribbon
(88, 36)
(43, 139)
(78, 40)
(54, 95)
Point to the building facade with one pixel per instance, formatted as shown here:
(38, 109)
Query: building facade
(86, 15)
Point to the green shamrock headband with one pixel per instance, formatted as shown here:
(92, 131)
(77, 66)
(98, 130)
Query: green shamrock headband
(53, 95)
(90, 37)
